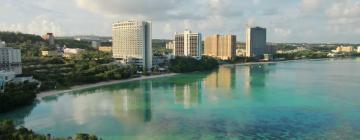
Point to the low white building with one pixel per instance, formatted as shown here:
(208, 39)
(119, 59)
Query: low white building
(358, 49)
(241, 52)
(71, 52)
(10, 59)
(95, 44)
(5, 77)
(170, 45)
(2, 44)
(10, 77)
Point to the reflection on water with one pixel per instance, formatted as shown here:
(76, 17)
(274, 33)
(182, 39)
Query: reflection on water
(239, 102)
(131, 106)
(222, 78)
(131, 103)
(255, 77)
(189, 94)
(19, 116)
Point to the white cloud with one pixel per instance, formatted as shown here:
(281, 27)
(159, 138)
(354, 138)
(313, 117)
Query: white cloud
(212, 23)
(168, 29)
(283, 32)
(309, 5)
(39, 25)
(152, 9)
(256, 2)
(344, 9)
(281, 17)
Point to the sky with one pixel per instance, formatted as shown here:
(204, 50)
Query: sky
(313, 21)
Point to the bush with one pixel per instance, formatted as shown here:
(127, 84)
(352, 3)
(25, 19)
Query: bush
(8, 131)
(189, 64)
(17, 95)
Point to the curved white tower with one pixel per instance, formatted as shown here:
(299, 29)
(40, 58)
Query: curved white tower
(132, 42)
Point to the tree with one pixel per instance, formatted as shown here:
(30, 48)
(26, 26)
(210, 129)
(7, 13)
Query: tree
(82, 136)
(189, 64)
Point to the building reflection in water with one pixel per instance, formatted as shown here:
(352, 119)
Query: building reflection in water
(133, 105)
(220, 83)
(188, 94)
(255, 76)
(223, 78)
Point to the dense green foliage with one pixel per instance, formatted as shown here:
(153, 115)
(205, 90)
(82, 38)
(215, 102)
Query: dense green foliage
(323, 49)
(158, 46)
(12, 37)
(27, 48)
(89, 67)
(85, 137)
(285, 47)
(189, 64)
(29, 44)
(302, 55)
(242, 60)
(17, 95)
(8, 131)
(71, 43)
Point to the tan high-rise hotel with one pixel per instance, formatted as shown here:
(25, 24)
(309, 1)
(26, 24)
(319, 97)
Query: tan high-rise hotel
(221, 47)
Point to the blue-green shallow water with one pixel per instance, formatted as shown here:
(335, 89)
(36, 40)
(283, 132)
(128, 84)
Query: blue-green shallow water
(293, 100)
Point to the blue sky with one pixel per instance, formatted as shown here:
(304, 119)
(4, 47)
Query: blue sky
(286, 20)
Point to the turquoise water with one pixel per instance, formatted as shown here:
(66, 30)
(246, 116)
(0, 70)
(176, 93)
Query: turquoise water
(292, 100)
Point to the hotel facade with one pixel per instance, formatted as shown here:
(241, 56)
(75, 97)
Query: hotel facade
(10, 59)
(132, 43)
(255, 42)
(188, 44)
(221, 47)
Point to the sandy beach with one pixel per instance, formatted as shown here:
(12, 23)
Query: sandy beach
(82, 87)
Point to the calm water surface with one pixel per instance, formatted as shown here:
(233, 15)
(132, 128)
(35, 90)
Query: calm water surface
(298, 100)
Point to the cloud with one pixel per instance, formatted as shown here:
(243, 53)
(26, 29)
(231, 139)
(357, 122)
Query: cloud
(39, 25)
(310, 5)
(256, 2)
(168, 29)
(150, 9)
(328, 20)
(126, 6)
(344, 9)
(283, 32)
(270, 12)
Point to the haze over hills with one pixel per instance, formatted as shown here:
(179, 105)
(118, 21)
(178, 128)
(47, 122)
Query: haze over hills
(287, 21)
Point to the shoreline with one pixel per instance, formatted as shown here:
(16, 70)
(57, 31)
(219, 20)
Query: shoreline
(106, 83)
(273, 62)
(99, 84)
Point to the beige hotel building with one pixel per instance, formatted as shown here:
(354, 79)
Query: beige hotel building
(221, 47)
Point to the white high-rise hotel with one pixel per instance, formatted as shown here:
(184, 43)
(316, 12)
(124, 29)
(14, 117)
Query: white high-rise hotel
(187, 44)
(132, 42)
(255, 42)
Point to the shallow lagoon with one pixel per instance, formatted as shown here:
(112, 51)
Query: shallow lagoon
(301, 100)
